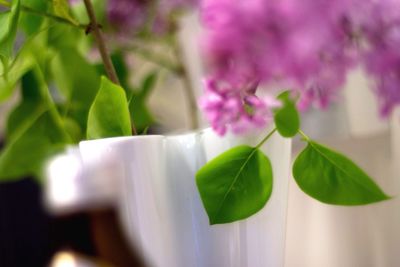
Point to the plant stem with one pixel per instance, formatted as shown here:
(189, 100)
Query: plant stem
(98, 35)
(44, 14)
(305, 137)
(266, 138)
(188, 88)
(151, 57)
(108, 65)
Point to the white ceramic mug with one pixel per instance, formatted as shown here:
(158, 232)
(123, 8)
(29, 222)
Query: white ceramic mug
(153, 186)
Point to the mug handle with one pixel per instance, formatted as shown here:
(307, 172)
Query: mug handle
(73, 186)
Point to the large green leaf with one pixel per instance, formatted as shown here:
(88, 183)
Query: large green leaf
(35, 100)
(35, 130)
(109, 113)
(77, 79)
(31, 23)
(21, 65)
(235, 185)
(33, 52)
(8, 31)
(78, 82)
(332, 178)
(30, 107)
(287, 119)
(64, 36)
(26, 154)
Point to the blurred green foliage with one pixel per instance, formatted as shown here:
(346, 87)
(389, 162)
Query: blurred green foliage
(46, 59)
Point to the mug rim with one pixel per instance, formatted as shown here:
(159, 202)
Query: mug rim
(151, 136)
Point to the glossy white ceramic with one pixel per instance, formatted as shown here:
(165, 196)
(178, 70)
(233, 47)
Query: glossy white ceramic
(161, 211)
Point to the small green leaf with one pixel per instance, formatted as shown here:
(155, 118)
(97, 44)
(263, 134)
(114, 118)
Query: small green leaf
(109, 113)
(145, 131)
(73, 129)
(138, 107)
(61, 8)
(235, 185)
(140, 113)
(287, 119)
(8, 31)
(137, 98)
(149, 83)
(332, 178)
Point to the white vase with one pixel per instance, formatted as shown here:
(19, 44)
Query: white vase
(151, 179)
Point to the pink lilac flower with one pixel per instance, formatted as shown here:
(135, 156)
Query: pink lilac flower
(127, 14)
(238, 109)
(308, 46)
(382, 56)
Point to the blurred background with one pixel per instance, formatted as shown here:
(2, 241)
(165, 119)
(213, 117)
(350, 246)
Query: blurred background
(317, 234)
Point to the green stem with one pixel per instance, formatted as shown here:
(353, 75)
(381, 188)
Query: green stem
(101, 44)
(98, 36)
(266, 138)
(43, 14)
(187, 84)
(305, 137)
(154, 58)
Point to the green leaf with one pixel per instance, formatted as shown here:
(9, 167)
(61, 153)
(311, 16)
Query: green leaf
(8, 31)
(31, 106)
(138, 98)
(149, 83)
(332, 178)
(109, 113)
(78, 85)
(235, 185)
(32, 52)
(27, 153)
(138, 107)
(64, 36)
(21, 116)
(287, 119)
(73, 129)
(8, 80)
(140, 113)
(31, 23)
(61, 9)
(32, 48)
(34, 130)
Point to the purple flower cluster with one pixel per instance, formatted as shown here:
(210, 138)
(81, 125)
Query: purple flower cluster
(305, 45)
(239, 108)
(127, 14)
